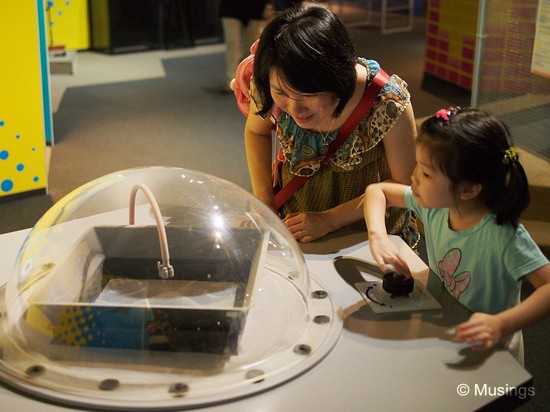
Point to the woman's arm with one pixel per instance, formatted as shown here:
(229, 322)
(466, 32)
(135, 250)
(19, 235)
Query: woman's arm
(482, 331)
(399, 144)
(309, 226)
(258, 146)
(355, 209)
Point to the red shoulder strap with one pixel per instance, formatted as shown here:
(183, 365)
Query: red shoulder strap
(347, 128)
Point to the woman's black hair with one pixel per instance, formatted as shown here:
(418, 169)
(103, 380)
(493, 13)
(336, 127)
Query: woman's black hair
(311, 50)
(473, 146)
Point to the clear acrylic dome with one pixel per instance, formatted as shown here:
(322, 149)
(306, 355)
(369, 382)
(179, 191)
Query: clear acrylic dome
(161, 288)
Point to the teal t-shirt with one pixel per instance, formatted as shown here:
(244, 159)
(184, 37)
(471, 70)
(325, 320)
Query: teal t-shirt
(482, 267)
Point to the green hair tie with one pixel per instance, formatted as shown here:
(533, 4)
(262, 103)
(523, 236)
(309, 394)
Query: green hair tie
(510, 156)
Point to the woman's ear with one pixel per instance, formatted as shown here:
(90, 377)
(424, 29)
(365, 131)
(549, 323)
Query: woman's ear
(469, 190)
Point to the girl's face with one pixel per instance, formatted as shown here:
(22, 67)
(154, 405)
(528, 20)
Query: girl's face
(309, 110)
(431, 188)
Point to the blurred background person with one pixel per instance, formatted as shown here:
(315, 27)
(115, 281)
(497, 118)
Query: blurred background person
(242, 23)
(280, 5)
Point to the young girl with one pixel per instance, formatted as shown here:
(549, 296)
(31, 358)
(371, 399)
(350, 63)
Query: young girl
(469, 190)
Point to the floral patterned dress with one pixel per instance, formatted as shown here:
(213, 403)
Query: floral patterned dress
(360, 160)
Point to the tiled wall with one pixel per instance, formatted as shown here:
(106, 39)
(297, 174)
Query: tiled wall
(508, 49)
(450, 40)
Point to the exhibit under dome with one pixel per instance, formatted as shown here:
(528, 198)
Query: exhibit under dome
(160, 288)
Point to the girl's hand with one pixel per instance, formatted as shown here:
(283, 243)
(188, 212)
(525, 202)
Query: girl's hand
(387, 256)
(481, 331)
(308, 226)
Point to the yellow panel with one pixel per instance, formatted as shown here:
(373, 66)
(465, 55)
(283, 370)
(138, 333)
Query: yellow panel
(67, 23)
(22, 130)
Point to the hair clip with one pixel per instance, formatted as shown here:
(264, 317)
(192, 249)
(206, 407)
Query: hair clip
(510, 156)
(443, 114)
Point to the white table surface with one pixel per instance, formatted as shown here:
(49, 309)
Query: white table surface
(381, 362)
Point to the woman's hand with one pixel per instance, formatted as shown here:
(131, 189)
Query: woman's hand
(481, 331)
(308, 226)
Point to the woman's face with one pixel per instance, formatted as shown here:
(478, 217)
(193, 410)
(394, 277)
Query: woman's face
(430, 187)
(309, 110)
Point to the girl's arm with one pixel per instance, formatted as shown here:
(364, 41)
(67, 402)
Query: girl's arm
(308, 226)
(257, 141)
(482, 331)
(378, 197)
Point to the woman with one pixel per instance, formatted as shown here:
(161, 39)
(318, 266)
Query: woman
(306, 66)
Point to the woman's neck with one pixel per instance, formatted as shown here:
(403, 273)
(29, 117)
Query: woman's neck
(360, 85)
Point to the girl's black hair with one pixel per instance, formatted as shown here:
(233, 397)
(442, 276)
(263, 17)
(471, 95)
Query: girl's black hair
(473, 146)
(311, 50)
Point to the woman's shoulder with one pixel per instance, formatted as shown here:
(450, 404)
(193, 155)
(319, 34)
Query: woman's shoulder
(372, 67)
(395, 86)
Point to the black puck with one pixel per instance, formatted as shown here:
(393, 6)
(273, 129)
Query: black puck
(397, 285)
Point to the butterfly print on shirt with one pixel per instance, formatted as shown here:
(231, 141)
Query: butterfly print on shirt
(456, 283)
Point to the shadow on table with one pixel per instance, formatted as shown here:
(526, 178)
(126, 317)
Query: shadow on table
(413, 325)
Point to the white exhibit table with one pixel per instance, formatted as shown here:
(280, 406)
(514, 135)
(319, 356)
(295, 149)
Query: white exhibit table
(382, 361)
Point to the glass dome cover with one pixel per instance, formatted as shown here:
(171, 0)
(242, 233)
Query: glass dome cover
(161, 288)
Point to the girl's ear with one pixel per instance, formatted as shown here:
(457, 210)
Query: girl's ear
(469, 190)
